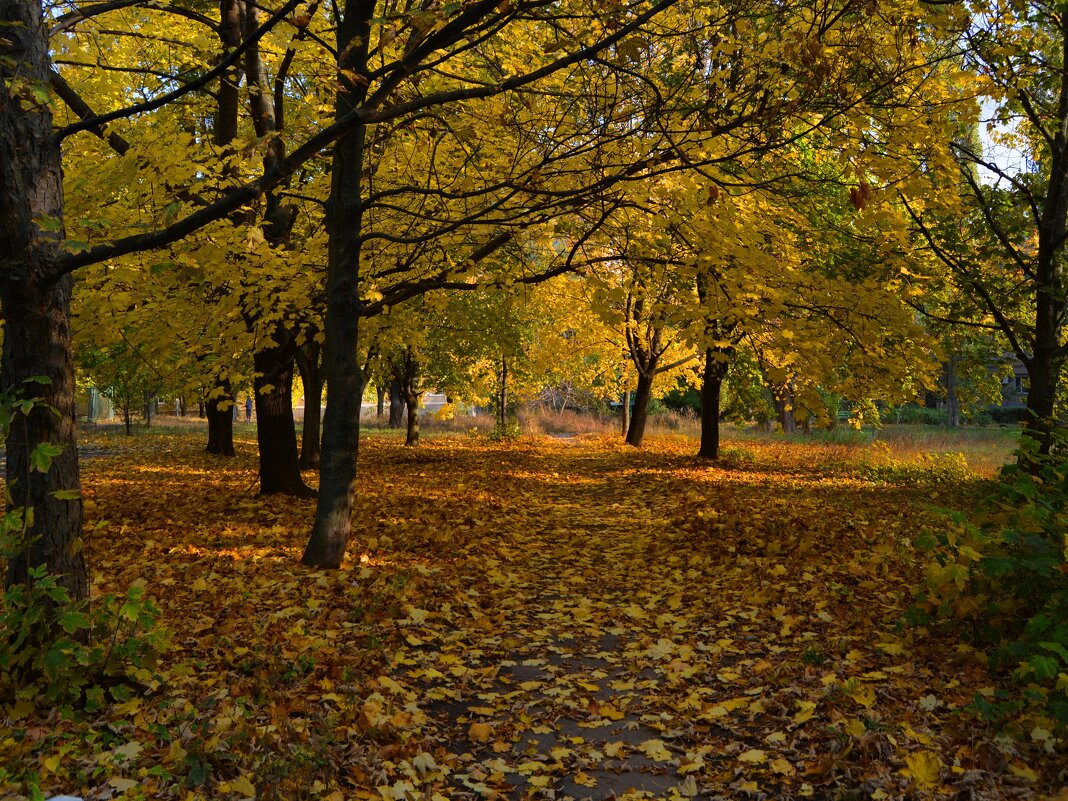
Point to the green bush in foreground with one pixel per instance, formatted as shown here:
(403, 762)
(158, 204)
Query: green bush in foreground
(54, 650)
(1002, 571)
(60, 652)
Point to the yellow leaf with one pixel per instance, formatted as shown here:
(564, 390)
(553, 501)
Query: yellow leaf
(585, 780)
(806, 709)
(923, 767)
(855, 728)
(1024, 772)
(51, 764)
(654, 749)
(480, 732)
(780, 765)
(243, 787)
(754, 756)
(122, 785)
(175, 753)
(863, 695)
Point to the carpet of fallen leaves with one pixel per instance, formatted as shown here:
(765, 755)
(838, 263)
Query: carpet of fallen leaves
(550, 619)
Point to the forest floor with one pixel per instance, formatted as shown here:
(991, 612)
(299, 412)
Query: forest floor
(545, 619)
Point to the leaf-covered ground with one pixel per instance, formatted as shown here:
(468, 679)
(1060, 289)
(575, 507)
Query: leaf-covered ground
(560, 619)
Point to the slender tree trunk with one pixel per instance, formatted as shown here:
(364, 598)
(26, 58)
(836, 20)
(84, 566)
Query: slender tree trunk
(276, 431)
(626, 412)
(711, 388)
(952, 401)
(35, 306)
(312, 378)
(127, 419)
(396, 404)
(219, 411)
(380, 407)
(643, 393)
(344, 380)
(502, 396)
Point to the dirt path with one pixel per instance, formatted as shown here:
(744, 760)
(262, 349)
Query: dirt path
(725, 650)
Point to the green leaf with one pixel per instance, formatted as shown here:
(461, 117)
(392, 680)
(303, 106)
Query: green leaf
(73, 621)
(67, 494)
(41, 457)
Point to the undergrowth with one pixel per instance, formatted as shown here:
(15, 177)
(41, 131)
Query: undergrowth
(1000, 574)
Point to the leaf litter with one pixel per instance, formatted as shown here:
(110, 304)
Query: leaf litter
(530, 620)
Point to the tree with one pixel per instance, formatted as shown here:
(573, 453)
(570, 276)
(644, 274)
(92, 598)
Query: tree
(1003, 241)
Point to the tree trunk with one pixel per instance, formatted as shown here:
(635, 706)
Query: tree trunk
(312, 378)
(219, 410)
(502, 397)
(276, 431)
(344, 379)
(1041, 397)
(784, 408)
(626, 412)
(396, 404)
(380, 408)
(711, 386)
(412, 402)
(127, 419)
(643, 393)
(35, 305)
(952, 401)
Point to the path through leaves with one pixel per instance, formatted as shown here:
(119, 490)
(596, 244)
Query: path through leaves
(553, 620)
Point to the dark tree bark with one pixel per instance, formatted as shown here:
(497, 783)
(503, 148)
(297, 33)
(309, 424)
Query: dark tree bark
(396, 404)
(502, 396)
(312, 377)
(784, 408)
(643, 393)
(275, 430)
(344, 379)
(35, 305)
(952, 401)
(405, 369)
(380, 408)
(219, 409)
(716, 364)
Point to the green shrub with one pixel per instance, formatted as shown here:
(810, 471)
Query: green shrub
(508, 431)
(54, 649)
(1002, 572)
(1007, 415)
(61, 652)
(911, 414)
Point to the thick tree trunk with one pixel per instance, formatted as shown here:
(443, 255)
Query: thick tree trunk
(411, 400)
(344, 380)
(312, 378)
(784, 408)
(711, 388)
(643, 393)
(1042, 376)
(276, 431)
(396, 404)
(35, 306)
(219, 411)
